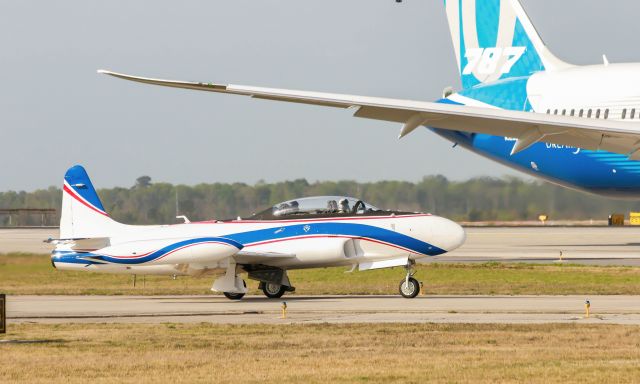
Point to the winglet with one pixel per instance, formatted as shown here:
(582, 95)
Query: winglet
(211, 87)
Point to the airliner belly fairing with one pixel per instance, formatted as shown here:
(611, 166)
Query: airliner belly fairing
(325, 231)
(520, 105)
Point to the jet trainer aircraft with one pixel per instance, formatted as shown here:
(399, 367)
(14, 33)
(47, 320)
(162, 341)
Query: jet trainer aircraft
(577, 126)
(304, 233)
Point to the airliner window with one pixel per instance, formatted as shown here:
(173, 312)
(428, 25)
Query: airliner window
(548, 111)
(633, 113)
(598, 114)
(564, 112)
(581, 112)
(589, 114)
(573, 112)
(555, 112)
(606, 113)
(624, 113)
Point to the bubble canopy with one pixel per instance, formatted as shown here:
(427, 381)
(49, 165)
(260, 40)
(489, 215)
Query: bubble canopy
(317, 206)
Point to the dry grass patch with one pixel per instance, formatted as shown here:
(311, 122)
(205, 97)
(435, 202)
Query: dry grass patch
(323, 353)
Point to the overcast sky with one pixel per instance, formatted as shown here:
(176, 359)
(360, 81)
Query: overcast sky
(56, 111)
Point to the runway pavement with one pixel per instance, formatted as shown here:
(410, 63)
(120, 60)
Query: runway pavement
(28, 240)
(588, 245)
(323, 309)
(582, 245)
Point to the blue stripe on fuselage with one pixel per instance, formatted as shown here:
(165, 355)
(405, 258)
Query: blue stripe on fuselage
(287, 232)
(100, 259)
(337, 229)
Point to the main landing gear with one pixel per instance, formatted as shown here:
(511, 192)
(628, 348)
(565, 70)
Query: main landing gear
(409, 287)
(235, 295)
(274, 282)
(273, 290)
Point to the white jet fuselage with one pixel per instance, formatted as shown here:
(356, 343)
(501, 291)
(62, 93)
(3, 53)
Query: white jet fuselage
(196, 248)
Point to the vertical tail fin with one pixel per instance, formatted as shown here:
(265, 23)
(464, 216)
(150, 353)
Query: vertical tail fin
(83, 215)
(495, 39)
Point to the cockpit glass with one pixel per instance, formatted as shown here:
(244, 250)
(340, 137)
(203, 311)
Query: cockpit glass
(321, 205)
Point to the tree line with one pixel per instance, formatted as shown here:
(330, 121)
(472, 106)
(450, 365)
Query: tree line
(478, 199)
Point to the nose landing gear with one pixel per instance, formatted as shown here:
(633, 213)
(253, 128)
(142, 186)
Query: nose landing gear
(409, 287)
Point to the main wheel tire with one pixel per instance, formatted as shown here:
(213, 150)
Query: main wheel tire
(235, 296)
(273, 291)
(409, 291)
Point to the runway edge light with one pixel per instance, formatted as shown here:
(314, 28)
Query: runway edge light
(587, 308)
(543, 218)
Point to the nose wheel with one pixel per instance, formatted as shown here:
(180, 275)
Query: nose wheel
(409, 287)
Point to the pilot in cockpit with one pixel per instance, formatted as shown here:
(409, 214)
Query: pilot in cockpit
(344, 206)
(281, 209)
(332, 206)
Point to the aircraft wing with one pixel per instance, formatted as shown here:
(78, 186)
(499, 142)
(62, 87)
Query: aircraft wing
(244, 257)
(526, 127)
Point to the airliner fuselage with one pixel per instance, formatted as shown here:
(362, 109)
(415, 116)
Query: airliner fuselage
(607, 92)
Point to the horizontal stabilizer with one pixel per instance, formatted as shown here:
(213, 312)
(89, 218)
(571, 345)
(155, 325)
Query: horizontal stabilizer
(92, 244)
(82, 245)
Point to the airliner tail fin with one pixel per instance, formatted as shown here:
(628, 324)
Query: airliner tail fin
(495, 39)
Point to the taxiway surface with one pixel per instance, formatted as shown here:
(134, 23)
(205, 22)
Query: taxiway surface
(323, 309)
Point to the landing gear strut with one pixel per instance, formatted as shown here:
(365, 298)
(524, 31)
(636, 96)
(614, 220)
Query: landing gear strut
(409, 287)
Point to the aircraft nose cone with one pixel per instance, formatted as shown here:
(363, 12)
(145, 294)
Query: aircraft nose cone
(448, 235)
